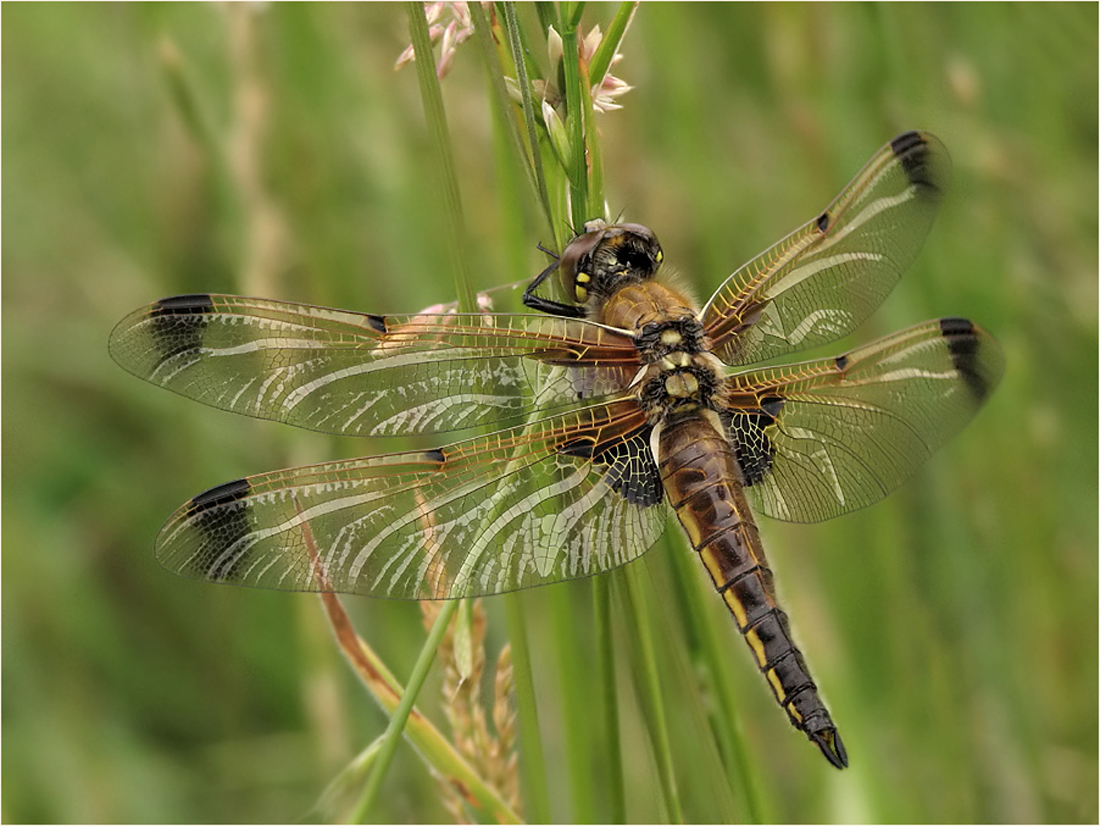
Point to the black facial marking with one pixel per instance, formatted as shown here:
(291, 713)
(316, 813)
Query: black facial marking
(964, 346)
(633, 257)
(221, 516)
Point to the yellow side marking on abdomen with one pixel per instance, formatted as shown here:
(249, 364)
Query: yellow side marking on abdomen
(777, 687)
(735, 606)
(692, 527)
(757, 646)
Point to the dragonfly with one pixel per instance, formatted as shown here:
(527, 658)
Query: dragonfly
(613, 410)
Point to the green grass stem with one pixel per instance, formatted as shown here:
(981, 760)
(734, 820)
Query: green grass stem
(527, 153)
(712, 653)
(575, 686)
(595, 207)
(576, 168)
(647, 671)
(532, 762)
(400, 717)
(611, 763)
(436, 117)
(605, 52)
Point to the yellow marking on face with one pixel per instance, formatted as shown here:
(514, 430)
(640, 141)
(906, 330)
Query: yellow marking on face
(583, 278)
(581, 293)
(659, 257)
(671, 338)
(757, 645)
(773, 678)
(735, 606)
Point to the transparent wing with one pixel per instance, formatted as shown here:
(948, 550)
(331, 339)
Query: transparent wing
(821, 281)
(823, 438)
(562, 498)
(370, 375)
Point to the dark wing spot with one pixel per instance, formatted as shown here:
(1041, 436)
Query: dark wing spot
(823, 222)
(435, 455)
(221, 517)
(906, 141)
(631, 471)
(377, 323)
(229, 492)
(772, 406)
(581, 448)
(195, 303)
(752, 448)
(628, 466)
(964, 346)
(178, 324)
(841, 363)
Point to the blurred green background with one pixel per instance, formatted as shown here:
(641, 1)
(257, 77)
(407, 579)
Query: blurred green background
(272, 150)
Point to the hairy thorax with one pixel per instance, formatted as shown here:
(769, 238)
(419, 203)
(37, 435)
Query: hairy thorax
(679, 375)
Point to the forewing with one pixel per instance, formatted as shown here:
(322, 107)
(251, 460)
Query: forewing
(823, 438)
(824, 279)
(561, 498)
(370, 375)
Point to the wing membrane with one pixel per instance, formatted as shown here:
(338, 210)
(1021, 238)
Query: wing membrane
(369, 375)
(557, 499)
(823, 438)
(824, 279)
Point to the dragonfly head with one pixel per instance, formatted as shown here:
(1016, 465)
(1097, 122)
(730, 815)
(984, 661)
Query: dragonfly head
(605, 257)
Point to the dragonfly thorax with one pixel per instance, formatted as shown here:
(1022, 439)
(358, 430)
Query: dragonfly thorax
(678, 382)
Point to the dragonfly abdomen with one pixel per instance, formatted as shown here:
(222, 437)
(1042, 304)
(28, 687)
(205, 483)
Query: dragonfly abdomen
(702, 481)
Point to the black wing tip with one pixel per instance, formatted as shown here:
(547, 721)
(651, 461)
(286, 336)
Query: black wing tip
(216, 522)
(906, 141)
(924, 160)
(956, 326)
(828, 740)
(967, 351)
(159, 313)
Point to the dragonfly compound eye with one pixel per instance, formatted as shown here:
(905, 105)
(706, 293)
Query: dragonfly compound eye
(607, 255)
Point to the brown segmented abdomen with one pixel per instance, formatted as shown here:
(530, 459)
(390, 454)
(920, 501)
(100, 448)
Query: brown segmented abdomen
(703, 484)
